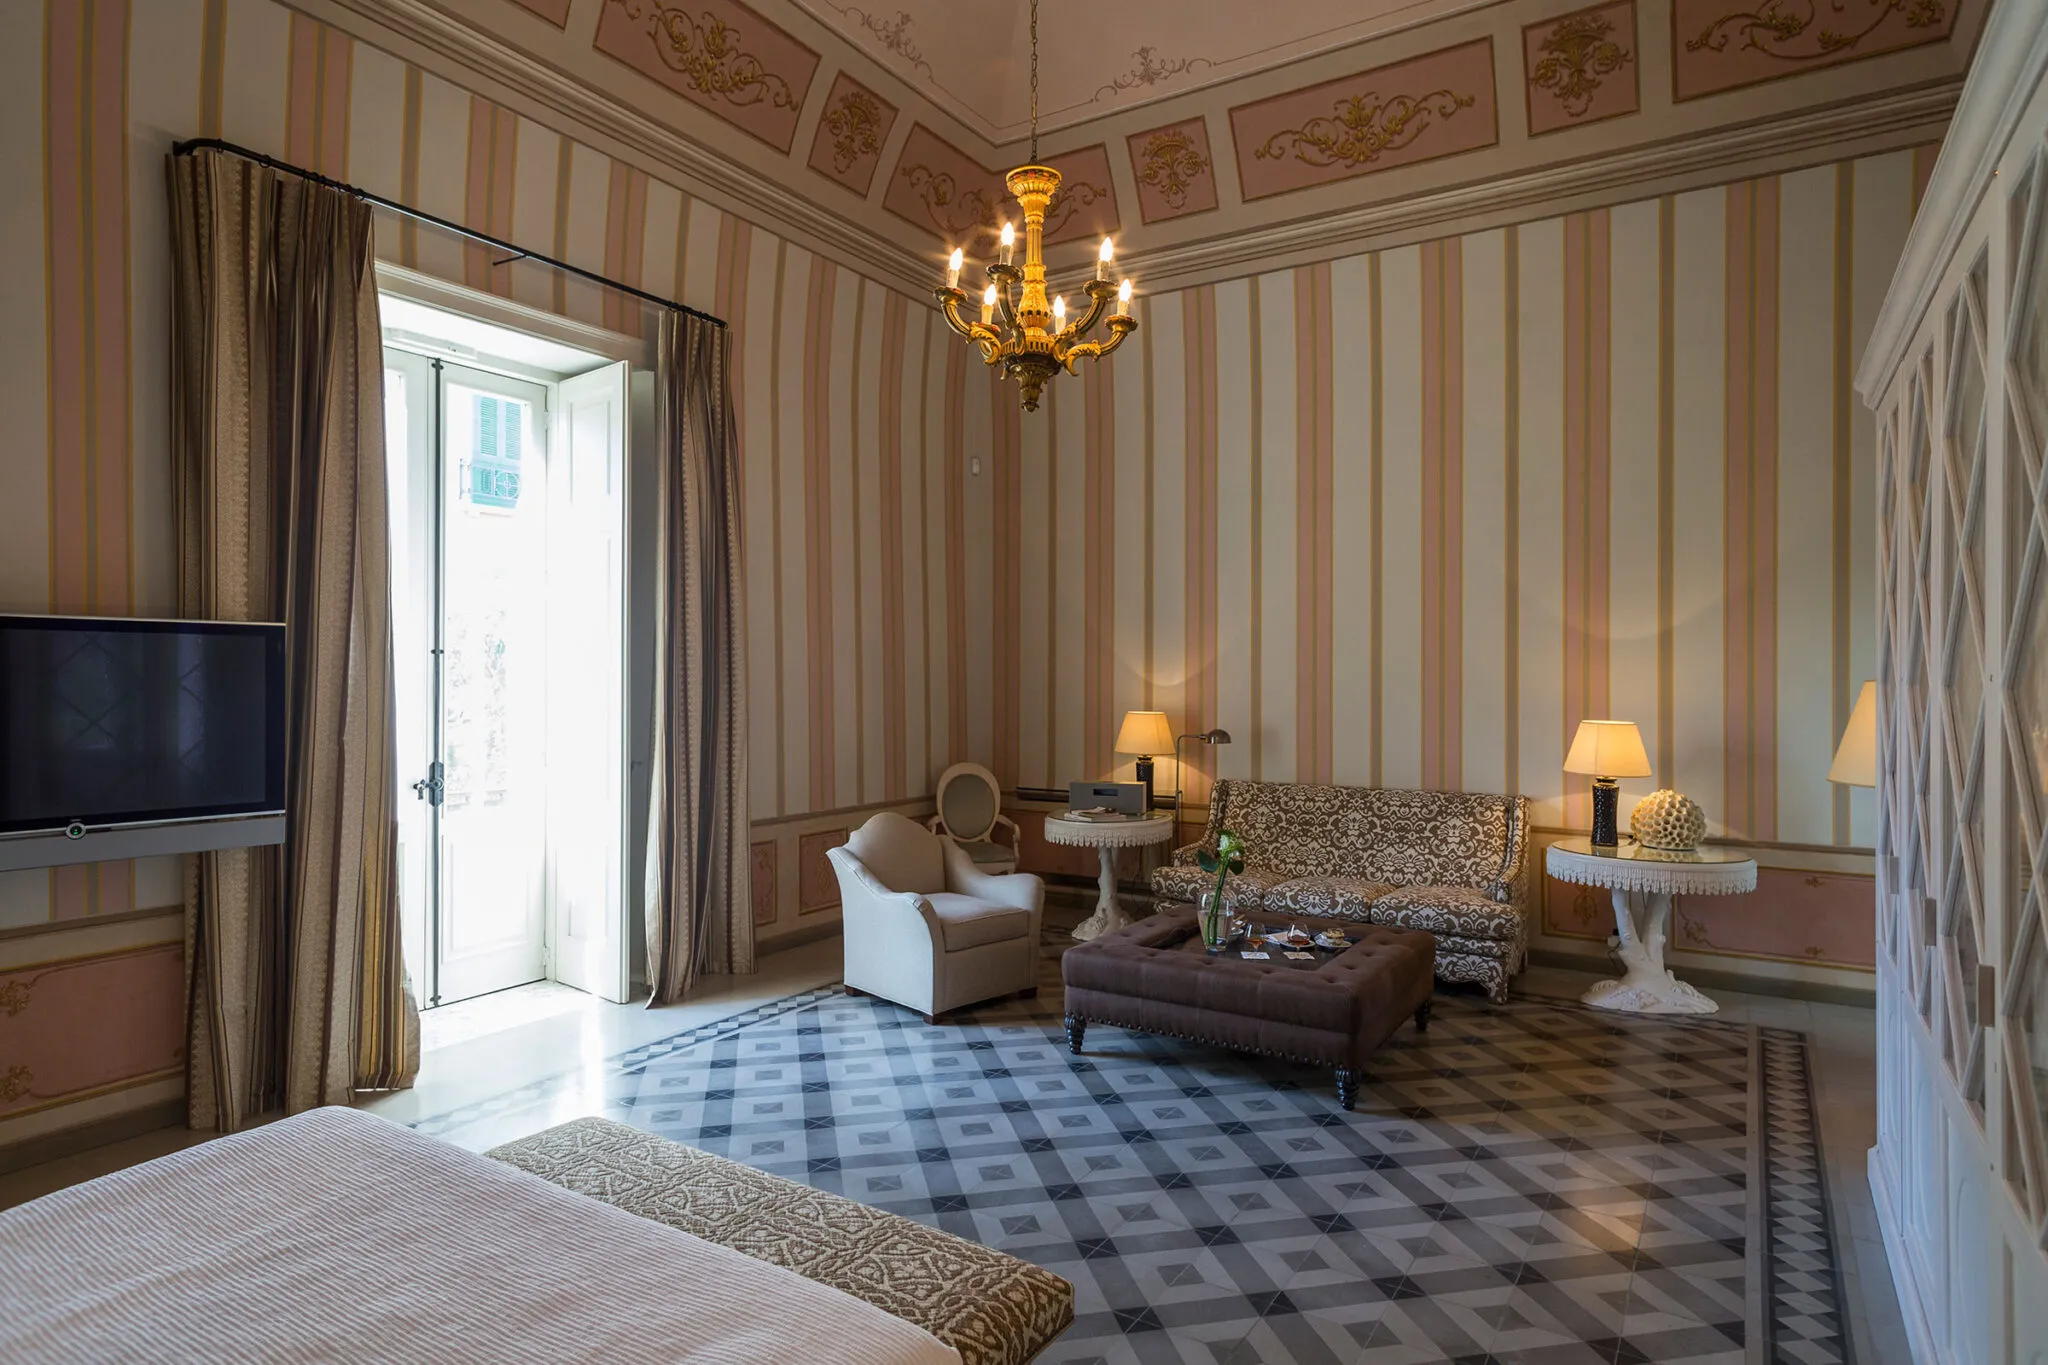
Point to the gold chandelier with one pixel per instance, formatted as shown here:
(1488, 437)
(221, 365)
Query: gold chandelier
(1020, 330)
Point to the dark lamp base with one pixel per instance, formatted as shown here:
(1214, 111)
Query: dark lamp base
(1145, 776)
(1606, 807)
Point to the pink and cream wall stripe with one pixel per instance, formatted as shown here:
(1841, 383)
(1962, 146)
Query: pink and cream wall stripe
(1408, 517)
(869, 558)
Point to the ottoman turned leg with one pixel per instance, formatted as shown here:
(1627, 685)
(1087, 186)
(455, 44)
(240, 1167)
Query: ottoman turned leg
(1076, 1028)
(1347, 1087)
(1422, 1016)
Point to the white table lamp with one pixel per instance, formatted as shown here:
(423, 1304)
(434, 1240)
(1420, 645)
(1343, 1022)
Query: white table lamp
(1855, 762)
(1605, 750)
(1145, 734)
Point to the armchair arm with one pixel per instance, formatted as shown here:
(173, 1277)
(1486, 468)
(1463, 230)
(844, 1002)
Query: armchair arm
(1022, 890)
(1016, 835)
(1184, 856)
(859, 892)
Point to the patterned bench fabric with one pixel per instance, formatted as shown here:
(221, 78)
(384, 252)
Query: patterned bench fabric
(991, 1308)
(1243, 893)
(1456, 910)
(1455, 864)
(1329, 897)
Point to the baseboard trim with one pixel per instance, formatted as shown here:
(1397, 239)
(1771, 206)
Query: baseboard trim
(65, 1142)
(1711, 979)
(1912, 1304)
(797, 938)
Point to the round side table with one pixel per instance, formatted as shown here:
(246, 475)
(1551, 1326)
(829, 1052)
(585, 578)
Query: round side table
(1106, 837)
(1642, 882)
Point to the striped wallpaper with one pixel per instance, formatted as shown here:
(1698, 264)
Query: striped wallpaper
(1406, 518)
(868, 564)
(1398, 518)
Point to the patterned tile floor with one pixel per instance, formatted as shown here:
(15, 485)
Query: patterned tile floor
(1544, 1253)
(1536, 1183)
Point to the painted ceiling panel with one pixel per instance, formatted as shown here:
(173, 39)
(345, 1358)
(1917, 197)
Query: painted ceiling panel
(718, 54)
(1438, 104)
(1581, 68)
(970, 57)
(852, 131)
(1725, 44)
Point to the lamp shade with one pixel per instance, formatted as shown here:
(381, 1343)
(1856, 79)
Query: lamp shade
(1608, 748)
(1145, 732)
(1855, 762)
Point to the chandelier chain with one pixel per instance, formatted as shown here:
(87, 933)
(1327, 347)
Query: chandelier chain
(1034, 81)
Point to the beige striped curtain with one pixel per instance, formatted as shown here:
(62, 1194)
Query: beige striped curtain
(699, 911)
(295, 984)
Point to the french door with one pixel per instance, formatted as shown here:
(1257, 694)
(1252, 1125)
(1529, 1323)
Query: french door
(507, 624)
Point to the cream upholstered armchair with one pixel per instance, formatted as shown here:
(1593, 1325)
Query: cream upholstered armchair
(925, 928)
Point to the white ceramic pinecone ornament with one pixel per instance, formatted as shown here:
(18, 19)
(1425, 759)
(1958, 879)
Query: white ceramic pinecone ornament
(1668, 820)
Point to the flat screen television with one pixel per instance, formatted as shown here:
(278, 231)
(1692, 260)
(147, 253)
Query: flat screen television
(106, 722)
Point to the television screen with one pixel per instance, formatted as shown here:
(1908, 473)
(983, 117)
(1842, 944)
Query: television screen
(107, 721)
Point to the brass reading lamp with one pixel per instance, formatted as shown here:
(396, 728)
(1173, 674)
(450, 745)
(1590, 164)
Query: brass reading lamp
(1217, 736)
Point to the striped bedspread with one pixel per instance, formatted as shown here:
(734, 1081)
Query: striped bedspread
(334, 1236)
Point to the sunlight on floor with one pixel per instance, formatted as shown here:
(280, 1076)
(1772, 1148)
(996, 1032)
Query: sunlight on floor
(500, 1010)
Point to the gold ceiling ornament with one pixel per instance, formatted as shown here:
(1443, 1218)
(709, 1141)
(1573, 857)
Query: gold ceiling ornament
(1172, 165)
(1020, 331)
(705, 51)
(1364, 126)
(1577, 52)
(1773, 25)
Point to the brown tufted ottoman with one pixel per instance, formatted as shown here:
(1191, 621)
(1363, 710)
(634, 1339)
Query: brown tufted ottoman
(1155, 977)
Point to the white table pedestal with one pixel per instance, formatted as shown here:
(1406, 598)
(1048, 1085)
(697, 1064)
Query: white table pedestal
(1107, 838)
(1641, 882)
(1109, 911)
(1647, 986)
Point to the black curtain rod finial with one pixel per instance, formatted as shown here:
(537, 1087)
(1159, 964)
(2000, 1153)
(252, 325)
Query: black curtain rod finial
(518, 253)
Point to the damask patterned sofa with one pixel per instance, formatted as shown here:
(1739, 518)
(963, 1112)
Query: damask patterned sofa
(1451, 863)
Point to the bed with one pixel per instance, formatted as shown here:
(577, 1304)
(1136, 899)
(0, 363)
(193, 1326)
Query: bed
(334, 1236)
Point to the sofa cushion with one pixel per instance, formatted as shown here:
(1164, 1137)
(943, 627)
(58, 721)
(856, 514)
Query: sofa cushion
(1404, 837)
(1455, 910)
(1245, 891)
(900, 853)
(1330, 897)
(965, 922)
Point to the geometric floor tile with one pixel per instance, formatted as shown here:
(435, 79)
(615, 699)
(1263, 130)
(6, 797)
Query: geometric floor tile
(1536, 1183)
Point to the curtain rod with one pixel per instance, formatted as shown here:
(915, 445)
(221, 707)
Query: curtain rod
(203, 144)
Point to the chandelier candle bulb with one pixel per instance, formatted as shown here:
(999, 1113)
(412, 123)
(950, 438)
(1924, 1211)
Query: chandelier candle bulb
(1102, 259)
(953, 264)
(988, 305)
(1123, 299)
(1059, 311)
(1009, 242)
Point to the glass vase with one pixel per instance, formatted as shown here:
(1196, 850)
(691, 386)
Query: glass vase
(1214, 919)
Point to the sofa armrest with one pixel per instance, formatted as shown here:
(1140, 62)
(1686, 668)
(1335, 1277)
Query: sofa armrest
(860, 893)
(1185, 855)
(1020, 890)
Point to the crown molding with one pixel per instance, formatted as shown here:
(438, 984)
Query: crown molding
(488, 65)
(456, 50)
(1792, 142)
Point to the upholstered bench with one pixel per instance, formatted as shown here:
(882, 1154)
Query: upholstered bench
(1334, 1009)
(991, 1308)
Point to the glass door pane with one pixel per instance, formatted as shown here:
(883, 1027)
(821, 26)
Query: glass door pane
(409, 457)
(494, 693)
